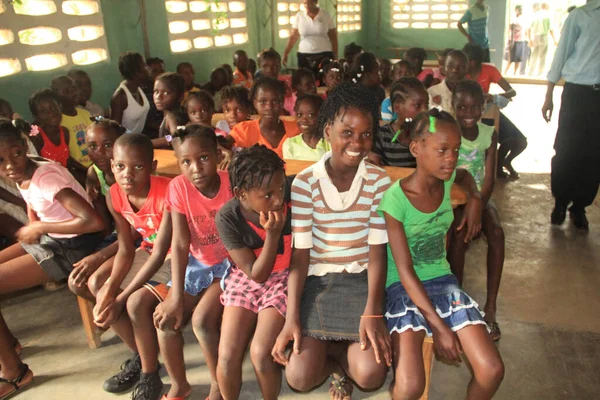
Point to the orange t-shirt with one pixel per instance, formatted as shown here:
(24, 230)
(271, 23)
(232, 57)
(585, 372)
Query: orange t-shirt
(247, 134)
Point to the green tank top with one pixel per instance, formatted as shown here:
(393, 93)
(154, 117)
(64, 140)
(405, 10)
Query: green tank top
(471, 155)
(103, 185)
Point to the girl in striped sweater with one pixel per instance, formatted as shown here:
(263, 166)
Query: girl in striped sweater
(338, 266)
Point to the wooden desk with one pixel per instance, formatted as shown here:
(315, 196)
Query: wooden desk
(167, 166)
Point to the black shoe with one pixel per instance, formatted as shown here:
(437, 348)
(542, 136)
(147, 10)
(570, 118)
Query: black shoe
(150, 387)
(558, 214)
(126, 378)
(580, 220)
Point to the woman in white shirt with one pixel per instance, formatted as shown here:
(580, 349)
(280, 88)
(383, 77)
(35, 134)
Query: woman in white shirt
(318, 37)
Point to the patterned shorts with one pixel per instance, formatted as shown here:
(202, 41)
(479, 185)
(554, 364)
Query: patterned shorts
(241, 291)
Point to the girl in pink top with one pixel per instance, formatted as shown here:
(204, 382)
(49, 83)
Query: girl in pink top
(199, 259)
(63, 227)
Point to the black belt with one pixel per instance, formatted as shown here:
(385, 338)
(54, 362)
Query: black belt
(595, 87)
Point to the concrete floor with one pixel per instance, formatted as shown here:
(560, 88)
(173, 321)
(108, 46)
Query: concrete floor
(548, 306)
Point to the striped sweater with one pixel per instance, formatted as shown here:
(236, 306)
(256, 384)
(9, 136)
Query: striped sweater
(338, 228)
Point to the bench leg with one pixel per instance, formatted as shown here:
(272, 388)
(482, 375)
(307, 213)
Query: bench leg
(87, 318)
(427, 362)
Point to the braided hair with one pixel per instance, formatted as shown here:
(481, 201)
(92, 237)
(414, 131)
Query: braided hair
(363, 64)
(206, 135)
(237, 93)
(470, 87)
(38, 96)
(421, 124)
(404, 87)
(347, 95)
(107, 125)
(300, 74)
(202, 96)
(11, 131)
(174, 81)
(252, 166)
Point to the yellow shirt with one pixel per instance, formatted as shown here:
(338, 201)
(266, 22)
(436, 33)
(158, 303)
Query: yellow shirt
(77, 126)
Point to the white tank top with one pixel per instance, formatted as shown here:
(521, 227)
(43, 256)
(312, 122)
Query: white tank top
(134, 116)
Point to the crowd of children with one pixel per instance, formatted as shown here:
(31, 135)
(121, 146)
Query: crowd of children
(252, 257)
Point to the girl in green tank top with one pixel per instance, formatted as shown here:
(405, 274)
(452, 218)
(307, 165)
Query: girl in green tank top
(423, 297)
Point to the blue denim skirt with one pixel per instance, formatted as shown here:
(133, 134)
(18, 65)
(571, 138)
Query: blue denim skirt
(199, 276)
(454, 306)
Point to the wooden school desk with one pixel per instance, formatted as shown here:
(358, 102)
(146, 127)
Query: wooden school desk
(167, 166)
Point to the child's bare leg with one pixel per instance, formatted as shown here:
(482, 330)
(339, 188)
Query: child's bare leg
(409, 372)
(20, 273)
(206, 322)
(311, 367)
(12, 252)
(236, 330)
(140, 308)
(492, 229)
(10, 363)
(457, 246)
(171, 348)
(268, 372)
(488, 368)
(361, 367)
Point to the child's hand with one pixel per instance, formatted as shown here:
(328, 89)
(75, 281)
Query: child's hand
(30, 233)
(374, 331)
(472, 218)
(84, 268)
(109, 315)
(93, 191)
(446, 344)
(227, 157)
(291, 331)
(169, 310)
(272, 222)
(103, 300)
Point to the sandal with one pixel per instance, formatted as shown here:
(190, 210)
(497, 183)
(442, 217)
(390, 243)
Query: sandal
(25, 378)
(185, 396)
(340, 385)
(495, 332)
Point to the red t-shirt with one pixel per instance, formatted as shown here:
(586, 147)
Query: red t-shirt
(489, 74)
(147, 220)
(200, 211)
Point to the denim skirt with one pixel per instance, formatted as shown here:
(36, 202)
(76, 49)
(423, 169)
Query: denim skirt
(331, 306)
(452, 304)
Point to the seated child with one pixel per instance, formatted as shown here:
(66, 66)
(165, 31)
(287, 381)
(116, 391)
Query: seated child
(229, 71)
(200, 109)
(391, 145)
(303, 82)
(438, 74)
(137, 201)
(455, 68)
(219, 78)
(169, 89)
(49, 137)
(254, 227)
(199, 260)
(156, 66)
(335, 287)
(477, 155)
(241, 76)
(401, 69)
(6, 111)
(252, 67)
(416, 56)
(351, 50)
(129, 105)
(267, 96)
(269, 61)
(236, 107)
(83, 83)
(186, 70)
(100, 138)
(423, 297)
(63, 226)
(309, 145)
(365, 71)
(385, 72)
(332, 75)
(75, 119)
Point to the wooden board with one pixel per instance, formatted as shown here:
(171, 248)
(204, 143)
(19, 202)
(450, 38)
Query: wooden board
(167, 166)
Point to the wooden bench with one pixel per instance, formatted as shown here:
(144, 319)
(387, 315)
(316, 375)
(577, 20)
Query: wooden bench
(92, 332)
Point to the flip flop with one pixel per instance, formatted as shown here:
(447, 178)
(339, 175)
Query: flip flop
(19, 382)
(495, 332)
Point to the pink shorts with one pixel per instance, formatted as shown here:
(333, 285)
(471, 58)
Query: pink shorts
(241, 291)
